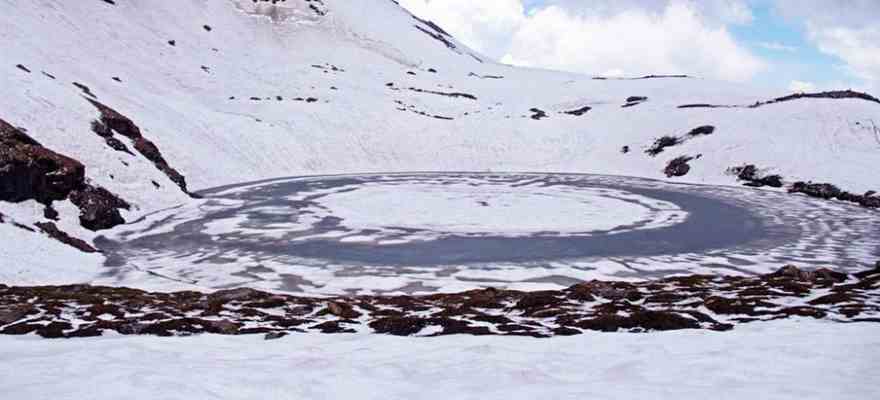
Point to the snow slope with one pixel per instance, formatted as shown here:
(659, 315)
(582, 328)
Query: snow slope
(791, 359)
(193, 99)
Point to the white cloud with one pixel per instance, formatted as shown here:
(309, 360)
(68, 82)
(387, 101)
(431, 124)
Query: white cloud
(858, 48)
(484, 25)
(776, 46)
(625, 36)
(802, 87)
(847, 30)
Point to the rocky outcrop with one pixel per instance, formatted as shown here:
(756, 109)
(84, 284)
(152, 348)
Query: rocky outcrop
(537, 114)
(661, 144)
(834, 94)
(634, 101)
(112, 121)
(664, 142)
(29, 171)
(704, 130)
(752, 177)
(678, 167)
(682, 302)
(49, 228)
(446, 94)
(579, 111)
(828, 191)
(99, 209)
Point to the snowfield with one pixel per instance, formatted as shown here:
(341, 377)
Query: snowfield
(792, 359)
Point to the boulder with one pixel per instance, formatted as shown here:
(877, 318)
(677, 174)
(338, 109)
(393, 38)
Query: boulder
(678, 167)
(99, 209)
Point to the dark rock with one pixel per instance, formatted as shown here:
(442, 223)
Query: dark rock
(53, 330)
(702, 130)
(14, 313)
(85, 89)
(537, 114)
(678, 167)
(641, 320)
(536, 300)
(446, 94)
(399, 326)
(275, 335)
(833, 298)
(578, 112)
(661, 144)
(30, 171)
(835, 94)
(342, 310)
(587, 290)
(634, 101)
(223, 327)
(749, 173)
(112, 121)
(804, 312)
(19, 329)
(566, 331)
(117, 145)
(50, 213)
(86, 331)
(726, 306)
(332, 327)
(99, 209)
(50, 229)
(820, 190)
(240, 294)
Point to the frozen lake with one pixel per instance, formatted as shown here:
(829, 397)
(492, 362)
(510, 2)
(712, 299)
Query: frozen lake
(452, 231)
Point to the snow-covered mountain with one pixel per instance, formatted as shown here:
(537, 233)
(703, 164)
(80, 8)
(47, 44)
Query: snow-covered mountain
(143, 93)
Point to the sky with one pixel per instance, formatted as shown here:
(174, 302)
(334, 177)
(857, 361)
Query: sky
(796, 45)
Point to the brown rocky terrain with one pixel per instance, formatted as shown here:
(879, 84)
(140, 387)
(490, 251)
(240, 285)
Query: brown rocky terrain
(29, 171)
(684, 302)
(111, 121)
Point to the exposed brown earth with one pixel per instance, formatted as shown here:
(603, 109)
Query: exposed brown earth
(684, 302)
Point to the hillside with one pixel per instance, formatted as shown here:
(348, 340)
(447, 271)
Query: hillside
(249, 198)
(143, 94)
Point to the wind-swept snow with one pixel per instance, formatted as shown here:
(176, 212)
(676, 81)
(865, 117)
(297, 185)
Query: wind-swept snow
(791, 359)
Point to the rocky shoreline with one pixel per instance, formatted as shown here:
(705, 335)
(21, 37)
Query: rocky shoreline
(684, 302)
